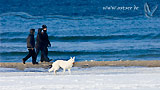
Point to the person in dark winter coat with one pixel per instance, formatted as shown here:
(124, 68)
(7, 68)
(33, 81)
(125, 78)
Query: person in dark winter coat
(30, 46)
(39, 43)
(46, 44)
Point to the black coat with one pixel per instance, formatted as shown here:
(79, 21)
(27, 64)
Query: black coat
(45, 39)
(39, 41)
(30, 41)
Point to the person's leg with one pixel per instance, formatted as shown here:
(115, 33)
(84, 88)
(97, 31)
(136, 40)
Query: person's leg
(47, 54)
(42, 57)
(34, 57)
(28, 56)
(37, 51)
(47, 60)
(44, 53)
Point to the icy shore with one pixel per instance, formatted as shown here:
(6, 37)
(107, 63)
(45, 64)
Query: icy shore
(94, 78)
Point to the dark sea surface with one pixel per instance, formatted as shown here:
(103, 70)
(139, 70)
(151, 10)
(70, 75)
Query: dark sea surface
(83, 29)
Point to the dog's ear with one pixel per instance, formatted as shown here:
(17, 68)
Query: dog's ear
(70, 57)
(73, 58)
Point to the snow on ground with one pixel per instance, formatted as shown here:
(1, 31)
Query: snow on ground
(95, 78)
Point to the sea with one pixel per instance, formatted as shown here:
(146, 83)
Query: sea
(90, 30)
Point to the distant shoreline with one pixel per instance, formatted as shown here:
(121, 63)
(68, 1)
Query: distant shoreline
(85, 64)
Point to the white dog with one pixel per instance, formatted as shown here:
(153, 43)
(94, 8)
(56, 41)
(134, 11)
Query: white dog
(63, 64)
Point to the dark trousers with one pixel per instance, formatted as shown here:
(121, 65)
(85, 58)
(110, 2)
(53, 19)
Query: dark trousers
(32, 54)
(44, 53)
(37, 51)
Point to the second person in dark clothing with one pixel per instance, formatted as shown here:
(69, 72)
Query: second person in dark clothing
(39, 43)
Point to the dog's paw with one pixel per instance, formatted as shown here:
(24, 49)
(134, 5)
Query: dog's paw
(49, 70)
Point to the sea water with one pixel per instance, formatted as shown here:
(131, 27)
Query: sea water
(100, 30)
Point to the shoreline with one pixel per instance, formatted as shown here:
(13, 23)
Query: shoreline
(85, 64)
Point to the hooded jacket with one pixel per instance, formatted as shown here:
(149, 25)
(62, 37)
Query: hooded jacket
(39, 41)
(30, 41)
(45, 39)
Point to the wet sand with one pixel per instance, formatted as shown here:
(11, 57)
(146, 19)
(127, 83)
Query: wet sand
(152, 63)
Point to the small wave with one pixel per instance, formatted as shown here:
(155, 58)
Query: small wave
(96, 38)
(157, 36)
(87, 38)
(10, 34)
(53, 53)
(21, 14)
(13, 53)
(148, 56)
(29, 16)
(13, 40)
(83, 52)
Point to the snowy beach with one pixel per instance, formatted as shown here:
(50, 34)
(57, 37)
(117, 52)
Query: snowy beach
(116, 44)
(94, 78)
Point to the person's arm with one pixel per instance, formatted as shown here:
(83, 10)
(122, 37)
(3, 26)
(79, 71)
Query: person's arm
(49, 44)
(32, 42)
(29, 42)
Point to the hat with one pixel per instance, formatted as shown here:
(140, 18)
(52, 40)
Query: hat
(39, 30)
(32, 31)
(44, 26)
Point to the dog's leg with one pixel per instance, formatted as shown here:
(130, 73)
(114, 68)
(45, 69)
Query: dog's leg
(54, 72)
(51, 69)
(64, 70)
(69, 70)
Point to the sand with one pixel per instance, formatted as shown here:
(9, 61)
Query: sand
(152, 63)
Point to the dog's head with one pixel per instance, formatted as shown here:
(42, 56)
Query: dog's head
(72, 59)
